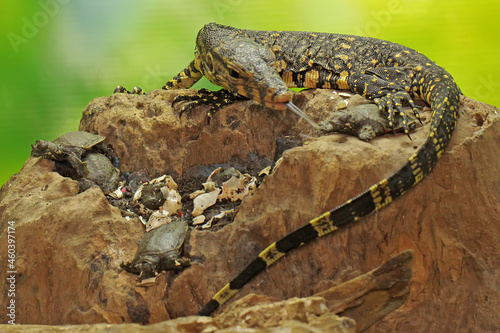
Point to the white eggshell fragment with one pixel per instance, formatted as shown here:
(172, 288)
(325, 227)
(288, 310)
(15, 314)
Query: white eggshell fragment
(196, 193)
(148, 282)
(157, 219)
(171, 184)
(138, 194)
(209, 186)
(266, 171)
(199, 219)
(217, 217)
(172, 202)
(204, 201)
(237, 188)
(118, 193)
(157, 180)
(216, 171)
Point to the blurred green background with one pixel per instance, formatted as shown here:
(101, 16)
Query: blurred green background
(56, 55)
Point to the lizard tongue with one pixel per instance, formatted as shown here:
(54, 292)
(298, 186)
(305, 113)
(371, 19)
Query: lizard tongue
(301, 114)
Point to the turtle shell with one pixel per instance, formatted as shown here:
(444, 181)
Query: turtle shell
(101, 173)
(159, 250)
(80, 139)
(167, 238)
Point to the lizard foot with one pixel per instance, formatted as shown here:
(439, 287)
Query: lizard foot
(392, 103)
(135, 91)
(216, 99)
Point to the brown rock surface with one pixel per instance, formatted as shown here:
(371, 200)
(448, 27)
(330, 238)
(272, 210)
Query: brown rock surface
(68, 250)
(368, 297)
(70, 245)
(180, 325)
(146, 133)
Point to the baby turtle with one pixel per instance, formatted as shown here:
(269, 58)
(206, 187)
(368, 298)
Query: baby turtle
(363, 119)
(79, 155)
(71, 147)
(101, 173)
(152, 196)
(159, 250)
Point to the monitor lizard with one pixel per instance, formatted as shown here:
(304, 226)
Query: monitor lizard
(263, 65)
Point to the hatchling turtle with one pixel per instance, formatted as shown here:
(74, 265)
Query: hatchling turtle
(71, 147)
(81, 150)
(159, 250)
(101, 173)
(363, 120)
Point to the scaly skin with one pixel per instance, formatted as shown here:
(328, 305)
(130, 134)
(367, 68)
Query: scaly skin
(262, 65)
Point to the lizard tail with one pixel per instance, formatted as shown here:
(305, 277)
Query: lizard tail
(441, 92)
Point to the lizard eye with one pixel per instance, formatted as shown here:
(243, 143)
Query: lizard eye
(234, 73)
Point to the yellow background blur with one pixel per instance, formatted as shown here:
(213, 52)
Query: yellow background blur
(56, 55)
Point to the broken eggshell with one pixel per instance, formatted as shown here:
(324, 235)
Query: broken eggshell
(118, 193)
(209, 186)
(216, 217)
(199, 219)
(266, 171)
(237, 188)
(157, 219)
(173, 199)
(166, 181)
(137, 194)
(157, 192)
(222, 176)
(216, 171)
(204, 201)
(148, 282)
(196, 193)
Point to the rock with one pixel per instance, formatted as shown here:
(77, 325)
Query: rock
(256, 313)
(372, 296)
(368, 297)
(185, 325)
(68, 250)
(69, 245)
(146, 133)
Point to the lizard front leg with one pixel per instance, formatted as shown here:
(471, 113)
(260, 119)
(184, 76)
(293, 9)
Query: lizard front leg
(185, 79)
(216, 99)
(389, 88)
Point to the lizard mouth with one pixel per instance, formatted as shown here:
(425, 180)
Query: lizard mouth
(276, 105)
(277, 101)
(282, 101)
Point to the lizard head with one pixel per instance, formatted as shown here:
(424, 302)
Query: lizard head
(241, 65)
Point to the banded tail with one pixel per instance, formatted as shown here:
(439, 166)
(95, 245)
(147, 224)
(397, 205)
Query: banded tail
(435, 87)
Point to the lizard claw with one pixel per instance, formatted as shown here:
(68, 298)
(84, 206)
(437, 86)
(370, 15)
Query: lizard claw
(216, 99)
(392, 103)
(135, 91)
